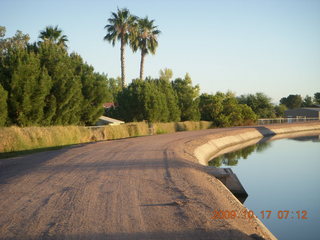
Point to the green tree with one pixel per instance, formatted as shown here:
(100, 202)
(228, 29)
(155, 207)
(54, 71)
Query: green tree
(259, 103)
(280, 109)
(28, 85)
(120, 27)
(145, 38)
(292, 101)
(248, 115)
(18, 41)
(3, 106)
(188, 98)
(54, 35)
(25, 80)
(153, 100)
(171, 101)
(166, 74)
(130, 103)
(307, 101)
(45, 85)
(66, 89)
(210, 106)
(224, 110)
(114, 87)
(93, 88)
(317, 97)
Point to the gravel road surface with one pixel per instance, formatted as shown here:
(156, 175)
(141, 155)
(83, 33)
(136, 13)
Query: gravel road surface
(138, 188)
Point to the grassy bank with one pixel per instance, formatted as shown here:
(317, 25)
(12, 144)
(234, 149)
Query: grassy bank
(20, 139)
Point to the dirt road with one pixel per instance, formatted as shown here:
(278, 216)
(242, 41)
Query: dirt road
(138, 188)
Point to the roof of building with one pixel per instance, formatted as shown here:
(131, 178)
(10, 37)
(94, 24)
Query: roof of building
(109, 105)
(110, 120)
(312, 109)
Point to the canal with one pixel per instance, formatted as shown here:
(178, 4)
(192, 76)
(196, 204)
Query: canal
(282, 178)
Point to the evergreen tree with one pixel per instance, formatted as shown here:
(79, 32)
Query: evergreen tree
(130, 102)
(188, 100)
(153, 100)
(47, 86)
(94, 90)
(26, 82)
(30, 85)
(174, 112)
(66, 87)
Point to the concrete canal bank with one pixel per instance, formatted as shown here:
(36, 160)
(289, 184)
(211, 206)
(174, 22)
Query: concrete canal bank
(240, 137)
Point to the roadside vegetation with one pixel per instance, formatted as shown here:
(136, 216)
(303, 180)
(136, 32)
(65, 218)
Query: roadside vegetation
(20, 139)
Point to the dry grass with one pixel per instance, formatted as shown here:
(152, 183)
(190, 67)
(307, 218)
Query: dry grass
(19, 139)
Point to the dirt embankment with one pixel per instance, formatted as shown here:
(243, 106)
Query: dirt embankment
(142, 188)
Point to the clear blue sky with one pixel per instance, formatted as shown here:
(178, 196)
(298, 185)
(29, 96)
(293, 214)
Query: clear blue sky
(244, 46)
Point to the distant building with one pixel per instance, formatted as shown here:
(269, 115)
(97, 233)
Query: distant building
(109, 105)
(303, 113)
(103, 120)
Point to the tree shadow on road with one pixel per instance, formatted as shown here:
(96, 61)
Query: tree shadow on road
(20, 165)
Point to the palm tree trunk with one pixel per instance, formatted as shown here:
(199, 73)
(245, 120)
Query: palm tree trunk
(123, 74)
(142, 65)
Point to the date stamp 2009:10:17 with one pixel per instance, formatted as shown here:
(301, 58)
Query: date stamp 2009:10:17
(264, 214)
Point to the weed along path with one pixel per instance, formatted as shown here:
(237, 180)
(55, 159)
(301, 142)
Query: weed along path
(140, 188)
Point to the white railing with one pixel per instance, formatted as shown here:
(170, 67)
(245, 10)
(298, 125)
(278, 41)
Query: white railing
(285, 120)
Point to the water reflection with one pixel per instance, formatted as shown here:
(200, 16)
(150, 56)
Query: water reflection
(315, 138)
(284, 176)
(232, 158)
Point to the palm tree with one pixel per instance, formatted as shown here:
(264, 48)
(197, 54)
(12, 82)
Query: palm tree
(120, 27)
(145, 40)
(54, 35)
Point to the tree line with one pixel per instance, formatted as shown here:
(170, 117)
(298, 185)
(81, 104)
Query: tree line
(163, 100)
(41, 84)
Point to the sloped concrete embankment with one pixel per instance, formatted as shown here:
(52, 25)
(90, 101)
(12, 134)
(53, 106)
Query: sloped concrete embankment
(245, 136)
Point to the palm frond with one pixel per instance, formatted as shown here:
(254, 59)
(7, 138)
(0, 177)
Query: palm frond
(119, 26)
(54, 35)
(147, 36)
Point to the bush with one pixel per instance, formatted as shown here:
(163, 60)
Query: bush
(17, 139)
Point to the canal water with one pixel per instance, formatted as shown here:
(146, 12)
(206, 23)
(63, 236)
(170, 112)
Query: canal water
(282, 178)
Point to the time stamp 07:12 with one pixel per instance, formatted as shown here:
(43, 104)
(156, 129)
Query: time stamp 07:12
(264, 214)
